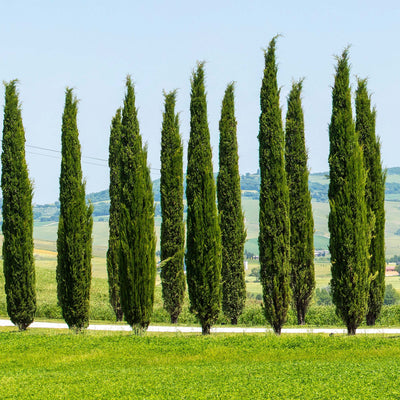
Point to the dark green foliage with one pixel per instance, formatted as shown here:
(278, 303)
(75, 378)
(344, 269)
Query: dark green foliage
(300, 211)
(233, 233)
(274, 236)
(172, 239)
(375, 198)
(114, 221)
(137, 265)
(323, 297)
(18, 262)
(74, 239)
(348, 227)
(391, 296)
(203, 254)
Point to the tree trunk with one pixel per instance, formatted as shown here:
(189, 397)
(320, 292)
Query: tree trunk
(22, 326)
(277, 329)
(234, 320)
(300, 316)
(174, 319)
(119, 314)
(371, 318)
(351, 330)
(206, 329)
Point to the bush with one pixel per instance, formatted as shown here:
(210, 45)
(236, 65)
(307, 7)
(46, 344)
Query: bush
(323, 296)
(320, 315)
(256, 273)
(391, 296)
(390, 316)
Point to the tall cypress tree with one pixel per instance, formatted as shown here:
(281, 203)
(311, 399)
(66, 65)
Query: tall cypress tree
(203, 251)
(18, 262)
(172, 226)
(274, 236)
(375, 198)
(74, 239)
(347, 222)
(233, 232)
(114, 220)
(137, 264)
(300, 211)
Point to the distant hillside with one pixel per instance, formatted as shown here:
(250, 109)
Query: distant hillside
(46, 216)
(250, 184)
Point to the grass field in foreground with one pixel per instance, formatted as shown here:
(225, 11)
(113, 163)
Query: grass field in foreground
(47, 365)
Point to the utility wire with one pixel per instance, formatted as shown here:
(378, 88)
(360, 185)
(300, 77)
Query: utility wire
(85, 162)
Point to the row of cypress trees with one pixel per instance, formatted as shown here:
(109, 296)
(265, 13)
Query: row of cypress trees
(356, 196)
(286, 221)
(131, 261)
(215, 240)
(206, 255)
(74, 243)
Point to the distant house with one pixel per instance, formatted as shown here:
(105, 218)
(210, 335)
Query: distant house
(391, 270)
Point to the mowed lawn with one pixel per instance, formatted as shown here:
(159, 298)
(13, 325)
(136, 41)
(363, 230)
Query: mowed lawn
(41, 364)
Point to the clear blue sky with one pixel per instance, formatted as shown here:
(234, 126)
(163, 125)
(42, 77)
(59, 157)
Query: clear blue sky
(92, 45)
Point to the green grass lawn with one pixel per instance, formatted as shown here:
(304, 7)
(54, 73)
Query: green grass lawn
(47, 365)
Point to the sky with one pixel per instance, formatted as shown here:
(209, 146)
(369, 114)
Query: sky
(91, 46)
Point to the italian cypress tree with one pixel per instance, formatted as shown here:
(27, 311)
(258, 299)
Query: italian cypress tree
(274, 236)
(74, 239)
(114, 220)
(172, 225)
(233, 234)
(300, 211)
(203, 249)
(137, 264)
(348, 227)
(18, 262)
(375, 198)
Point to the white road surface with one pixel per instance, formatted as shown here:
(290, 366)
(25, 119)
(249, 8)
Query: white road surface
(197, 329)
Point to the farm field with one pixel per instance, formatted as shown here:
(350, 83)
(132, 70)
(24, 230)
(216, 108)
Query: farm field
(120, 366)
(47, 231)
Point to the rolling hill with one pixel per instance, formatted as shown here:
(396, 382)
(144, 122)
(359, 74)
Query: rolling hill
(46, 216)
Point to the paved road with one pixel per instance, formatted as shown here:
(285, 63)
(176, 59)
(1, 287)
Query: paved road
(195, 329)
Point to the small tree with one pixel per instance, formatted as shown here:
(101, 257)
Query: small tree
(203, 251)
(172, 225)
(375, 198)
(274, 236)
(74, 239)
(114, 220)
(233, 233)
(347, 221)
(18, 262)
(137, 264)
(301, 218)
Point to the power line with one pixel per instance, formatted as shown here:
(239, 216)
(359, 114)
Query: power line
(85, 162)
(57, 158)
(57, 151)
